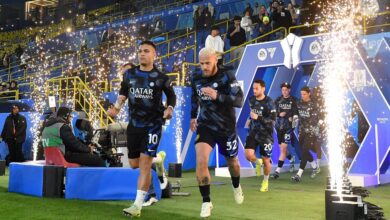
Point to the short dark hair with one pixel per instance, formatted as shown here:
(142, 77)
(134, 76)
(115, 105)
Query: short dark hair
(64, 112)
(260, 81)
(306, 89)
(237, 18)
(150, 43)
(285, 84)
(215, 28)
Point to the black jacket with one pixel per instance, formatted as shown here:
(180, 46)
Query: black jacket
(72, 144)
(238, 38)
(19, 123)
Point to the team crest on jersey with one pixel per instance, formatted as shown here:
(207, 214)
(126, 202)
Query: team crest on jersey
(215, 85)
(151, 84)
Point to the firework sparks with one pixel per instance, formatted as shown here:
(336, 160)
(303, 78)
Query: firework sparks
(338, 49)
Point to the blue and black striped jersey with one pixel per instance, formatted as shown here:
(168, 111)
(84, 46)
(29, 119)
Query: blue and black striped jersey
(289, 106)
(218, 115)
(308, 117)
(144, 90)
(264, 124)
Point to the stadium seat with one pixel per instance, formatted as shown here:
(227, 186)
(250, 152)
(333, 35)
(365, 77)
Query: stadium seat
(54, 156)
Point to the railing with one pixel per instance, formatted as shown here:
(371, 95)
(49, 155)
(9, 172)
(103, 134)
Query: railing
(73, 89)
(9, 95)
(176, 38)
(153, 7)
(366, 27)
(159, 59)
(22, 37)
(17, 94)
(184, 67)
(308, 25)
(253, 41)
(94, 55)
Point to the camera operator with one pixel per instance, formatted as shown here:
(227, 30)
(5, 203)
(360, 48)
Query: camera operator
(58, 132)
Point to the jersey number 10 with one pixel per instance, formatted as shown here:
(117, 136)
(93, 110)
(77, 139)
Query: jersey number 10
(153, 138)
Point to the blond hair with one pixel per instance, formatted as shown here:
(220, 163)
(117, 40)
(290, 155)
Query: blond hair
(207, 51)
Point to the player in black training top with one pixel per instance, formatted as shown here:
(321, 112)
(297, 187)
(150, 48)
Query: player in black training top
(144, 86)
(318, 99)
(286, 120)
(308, 132)
(216, 93)
(261, 129)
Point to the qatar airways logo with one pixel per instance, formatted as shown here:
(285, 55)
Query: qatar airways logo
(285, 105)
(304, 113)
(259, 112)
(142, 93)
(203, 96)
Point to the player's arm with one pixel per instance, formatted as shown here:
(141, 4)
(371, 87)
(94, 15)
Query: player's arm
(235, 98)
(272, 115)
(315, 121)
(295, 113)
(194, 107)
(277, 106)
(120, 101)
(171, 98)
(247, 123)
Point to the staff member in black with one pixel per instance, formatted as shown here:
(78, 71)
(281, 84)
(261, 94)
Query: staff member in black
(14, 134)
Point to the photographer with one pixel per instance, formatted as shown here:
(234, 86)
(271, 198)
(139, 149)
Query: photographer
(57, 132)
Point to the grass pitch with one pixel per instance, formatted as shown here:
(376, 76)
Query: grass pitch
(285, 200)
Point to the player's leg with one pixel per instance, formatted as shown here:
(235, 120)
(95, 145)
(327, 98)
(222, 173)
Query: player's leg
(234, 170)
(133, 144)
(144, 180)
(134, 163)
(250, 154)
(282, 155)
(147, 144)
(291, 153)
(158, 166)
(318, 151)
(313, 147)
(304, 143)
(266, 153)
(203, 151)
(228, 147)
(204, 143)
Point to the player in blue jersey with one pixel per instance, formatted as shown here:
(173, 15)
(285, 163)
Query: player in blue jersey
(286, 120)
(144, 86)
(261, 129)
(215, 93)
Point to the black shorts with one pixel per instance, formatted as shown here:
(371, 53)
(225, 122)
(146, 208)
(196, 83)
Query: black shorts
(285, 136)
(265, 145)
(308, 141)
(227, 145)
(143, 140)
